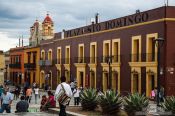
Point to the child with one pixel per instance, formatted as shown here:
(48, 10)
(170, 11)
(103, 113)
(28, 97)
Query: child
(76, 94)
(43, 102)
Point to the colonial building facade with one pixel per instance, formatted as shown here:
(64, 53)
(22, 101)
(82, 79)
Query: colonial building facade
(118, 54)
(17, 65)
(24, 65)
(2, 67)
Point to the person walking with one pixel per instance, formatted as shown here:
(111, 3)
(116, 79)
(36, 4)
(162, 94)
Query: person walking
(68, 92)
(28, 94)
(22, 106)
(76, 94)
(72, 85)
(6, 99)
(1, 92)
(36, 92)
(161, 94)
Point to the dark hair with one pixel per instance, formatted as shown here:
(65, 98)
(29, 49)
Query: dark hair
(22, 98)
(49, 93)
(63, 79)
(44, 96)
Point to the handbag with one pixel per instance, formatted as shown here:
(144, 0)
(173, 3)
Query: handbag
(62, 97)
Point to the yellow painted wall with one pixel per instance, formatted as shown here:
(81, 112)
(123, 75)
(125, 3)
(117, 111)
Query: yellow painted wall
(37, 70)
(2, 66)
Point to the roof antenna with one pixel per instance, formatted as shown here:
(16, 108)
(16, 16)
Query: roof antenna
(19, 41)
(22, 40)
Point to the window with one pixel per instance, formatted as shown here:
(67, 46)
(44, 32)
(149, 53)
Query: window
(116, 50)
(151, 50)
(50, 55)
(42, 55)
(136, 49)
(59, 55)
(67, 57)
(93, 52)
(81, 53)
(106, 50)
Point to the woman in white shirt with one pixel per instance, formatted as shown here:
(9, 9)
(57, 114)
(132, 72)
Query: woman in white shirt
(36, 91)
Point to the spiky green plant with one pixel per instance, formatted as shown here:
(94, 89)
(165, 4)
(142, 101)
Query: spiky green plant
(110, 103)
(135, 102)
(169, 104)
(89, 99)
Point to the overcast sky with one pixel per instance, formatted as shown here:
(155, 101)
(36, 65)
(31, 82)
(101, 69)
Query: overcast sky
(17, 16)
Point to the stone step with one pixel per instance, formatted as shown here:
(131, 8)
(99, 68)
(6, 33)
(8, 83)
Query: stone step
(57, 110)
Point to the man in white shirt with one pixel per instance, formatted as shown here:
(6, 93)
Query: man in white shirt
(72, 85)
(76, 94)
(68, 92)
(6, 99)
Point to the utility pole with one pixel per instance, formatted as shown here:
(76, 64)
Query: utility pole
(166, 2)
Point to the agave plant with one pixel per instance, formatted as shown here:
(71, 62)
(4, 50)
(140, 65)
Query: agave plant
(135, 102)
(89, 99)
(169, 104)
(110, 102)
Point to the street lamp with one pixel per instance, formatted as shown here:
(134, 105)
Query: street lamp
(109, 61)
(159, 43)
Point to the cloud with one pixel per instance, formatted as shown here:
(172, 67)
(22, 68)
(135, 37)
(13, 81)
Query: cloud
(6, 42)
(17, 16)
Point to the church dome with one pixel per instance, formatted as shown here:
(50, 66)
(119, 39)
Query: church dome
(36, 23)
(47, 19)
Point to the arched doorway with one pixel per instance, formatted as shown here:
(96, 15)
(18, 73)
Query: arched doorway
(42, 79)
(105, 81)
(48, 79)
(151, 83)
(135, 83)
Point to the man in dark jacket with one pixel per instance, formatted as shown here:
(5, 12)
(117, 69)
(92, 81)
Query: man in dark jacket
(22, 106)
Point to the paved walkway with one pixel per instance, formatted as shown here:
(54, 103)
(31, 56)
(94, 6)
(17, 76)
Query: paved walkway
(35, 108)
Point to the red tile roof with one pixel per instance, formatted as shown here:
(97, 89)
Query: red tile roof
(47, 19)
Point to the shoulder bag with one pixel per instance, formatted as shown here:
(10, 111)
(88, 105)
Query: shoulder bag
(62, 97)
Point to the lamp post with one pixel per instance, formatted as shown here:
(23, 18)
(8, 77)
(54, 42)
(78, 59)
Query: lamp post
(109, 61)
(159, 43)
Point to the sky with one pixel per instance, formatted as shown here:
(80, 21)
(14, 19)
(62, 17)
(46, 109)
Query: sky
(17, 16)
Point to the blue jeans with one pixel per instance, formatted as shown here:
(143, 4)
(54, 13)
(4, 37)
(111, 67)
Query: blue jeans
(5, 107)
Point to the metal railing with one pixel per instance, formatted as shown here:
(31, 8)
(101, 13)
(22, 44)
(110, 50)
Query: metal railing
(30, 65)
(113, 59)
(16, 65)
(93, 60)
(144, 57)
(82, 60)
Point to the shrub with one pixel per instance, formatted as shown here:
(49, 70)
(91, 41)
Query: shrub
(169, 104)
(89, 99)
(135, 102)
(110, 103)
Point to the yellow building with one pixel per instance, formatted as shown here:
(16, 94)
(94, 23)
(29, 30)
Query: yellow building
(2, 66)
(32, 69)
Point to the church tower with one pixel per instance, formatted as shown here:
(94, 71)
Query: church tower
(35, 34)
(47, 28)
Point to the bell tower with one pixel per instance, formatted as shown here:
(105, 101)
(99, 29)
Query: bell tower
(35, 34)
(47, 28)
